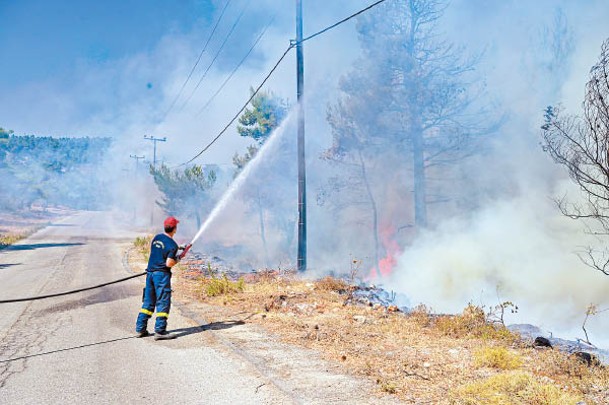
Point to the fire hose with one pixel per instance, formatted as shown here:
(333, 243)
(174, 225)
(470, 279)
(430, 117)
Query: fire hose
(185, 250)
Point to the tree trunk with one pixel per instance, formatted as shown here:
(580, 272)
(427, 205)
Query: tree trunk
(420, 207)
(418, 145)
(375, 222)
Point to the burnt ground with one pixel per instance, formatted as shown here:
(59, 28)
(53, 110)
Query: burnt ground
(415, 356)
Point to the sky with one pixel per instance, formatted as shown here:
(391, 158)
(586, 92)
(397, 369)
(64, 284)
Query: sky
(112, 68)
(42, 39)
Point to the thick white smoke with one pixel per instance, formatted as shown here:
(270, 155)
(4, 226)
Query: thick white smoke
(516, 249)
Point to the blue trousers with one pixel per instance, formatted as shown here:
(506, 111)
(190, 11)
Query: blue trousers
(157, 293)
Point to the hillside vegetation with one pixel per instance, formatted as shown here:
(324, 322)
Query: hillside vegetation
(49, 171)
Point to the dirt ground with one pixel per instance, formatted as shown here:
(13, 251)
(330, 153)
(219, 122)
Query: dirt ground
(306, 374)
(417, 358)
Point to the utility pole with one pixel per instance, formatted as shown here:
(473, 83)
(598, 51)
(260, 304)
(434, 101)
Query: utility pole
(137, 160)
(302, 176)
(154, 140)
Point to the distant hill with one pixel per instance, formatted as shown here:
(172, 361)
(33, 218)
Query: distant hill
(52, 171)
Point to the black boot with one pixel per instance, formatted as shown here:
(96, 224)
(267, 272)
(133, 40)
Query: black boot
(164, 335)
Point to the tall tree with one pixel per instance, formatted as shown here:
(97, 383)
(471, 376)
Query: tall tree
(266, 113)
(258, 122)
(581, 145)
(406, 106)
(185, 192)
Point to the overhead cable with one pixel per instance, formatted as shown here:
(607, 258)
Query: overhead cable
(236, 67)
(344, 20)
(230, 32)
(198, 60)
(242, 108)
(292, 45)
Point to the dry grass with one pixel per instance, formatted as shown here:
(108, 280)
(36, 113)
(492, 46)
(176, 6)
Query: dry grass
(216, 286)
(141, 244)
(514, 388)
(473, 322)
(332, 284)
(9, 239)
(419, 357)
(497, 357)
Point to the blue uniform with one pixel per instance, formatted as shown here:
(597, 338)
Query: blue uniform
(158, 284)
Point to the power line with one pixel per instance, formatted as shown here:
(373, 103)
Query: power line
(292, 45)
(341, 21)
(198, 60)
(232, 29)
(236, 67)
(242, 108)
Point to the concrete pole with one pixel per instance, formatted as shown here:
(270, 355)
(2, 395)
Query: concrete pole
(302, 177)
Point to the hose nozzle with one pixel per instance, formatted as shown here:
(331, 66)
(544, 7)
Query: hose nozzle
(185, 250)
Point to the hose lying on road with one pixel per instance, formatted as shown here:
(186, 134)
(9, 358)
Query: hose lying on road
(40, 297)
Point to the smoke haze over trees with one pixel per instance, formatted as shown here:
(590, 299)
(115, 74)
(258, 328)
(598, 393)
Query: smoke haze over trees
(405, 121)
(52, 171)
(185, 192)
(266, 114)
(581, 145)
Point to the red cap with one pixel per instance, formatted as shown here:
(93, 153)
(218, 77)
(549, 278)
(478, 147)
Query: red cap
(171, 221)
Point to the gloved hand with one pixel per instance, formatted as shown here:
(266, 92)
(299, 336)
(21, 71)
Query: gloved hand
(184, 251)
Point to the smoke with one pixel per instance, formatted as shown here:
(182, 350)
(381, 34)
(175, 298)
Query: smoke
(516, 246)
(517, 249)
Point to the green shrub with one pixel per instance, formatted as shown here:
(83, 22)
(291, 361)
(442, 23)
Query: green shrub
(142, 245)
(142, 242)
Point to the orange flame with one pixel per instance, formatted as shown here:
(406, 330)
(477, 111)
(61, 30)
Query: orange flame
(387, 263)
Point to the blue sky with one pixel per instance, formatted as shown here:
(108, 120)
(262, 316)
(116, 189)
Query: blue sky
(42, 38)
(112, 67)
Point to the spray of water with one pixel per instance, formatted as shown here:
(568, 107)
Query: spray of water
(243, 176)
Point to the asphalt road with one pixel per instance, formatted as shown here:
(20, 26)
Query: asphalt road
(81, 348)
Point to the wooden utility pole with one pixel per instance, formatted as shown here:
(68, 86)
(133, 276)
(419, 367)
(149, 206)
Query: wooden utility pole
(302, 177)
(137, 160)
(155, 140)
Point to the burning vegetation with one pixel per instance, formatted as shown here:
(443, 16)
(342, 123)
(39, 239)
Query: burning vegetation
(416, 355)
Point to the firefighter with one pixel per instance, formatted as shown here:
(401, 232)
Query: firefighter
(163, 256)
